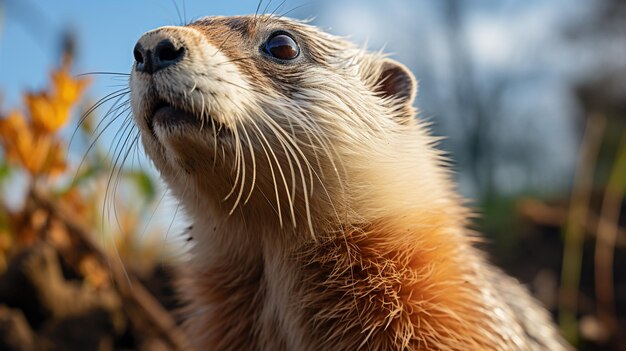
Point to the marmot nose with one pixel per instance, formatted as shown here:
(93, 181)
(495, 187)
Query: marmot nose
(152, 58)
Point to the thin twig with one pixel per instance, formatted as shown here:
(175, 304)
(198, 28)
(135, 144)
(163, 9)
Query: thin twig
(608, 227)
(540, 213)
(574, 228)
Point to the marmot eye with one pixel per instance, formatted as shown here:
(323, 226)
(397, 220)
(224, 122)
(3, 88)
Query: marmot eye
(282, 47)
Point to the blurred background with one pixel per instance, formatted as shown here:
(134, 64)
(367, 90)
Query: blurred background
(530, 96)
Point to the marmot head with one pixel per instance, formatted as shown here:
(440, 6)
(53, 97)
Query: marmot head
(265, 116)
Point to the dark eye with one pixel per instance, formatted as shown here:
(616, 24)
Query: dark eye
(282, 47)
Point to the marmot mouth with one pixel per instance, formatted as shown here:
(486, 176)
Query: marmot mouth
(166, 115)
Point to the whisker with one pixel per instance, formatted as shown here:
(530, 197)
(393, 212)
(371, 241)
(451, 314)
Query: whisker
(202, 111)
(292, 194)
(234, 84)
(293, 9)
(277, 8)
(291, 143)
(105, 99)
(327, 145)
(180, 18)
(118, 176)
(127, 126)
(156, 207)
(267, 6)
(287, 150)
(235, 60)
(169, 228)
(125, 130)
(102, 73)
(214, 140)
(115, 107)
(106, 195)
(219, 48)
(269, 161)
(293, 133)
(110, 112)
(235, 164)
(241, 170)
(116, 214)
(310, 123)
(258, 6)
(252, 156)
(93, 143)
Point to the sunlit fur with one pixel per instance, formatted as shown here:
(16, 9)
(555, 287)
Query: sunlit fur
(324, 218)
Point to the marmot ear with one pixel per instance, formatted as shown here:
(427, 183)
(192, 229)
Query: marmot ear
(396, 81)
(393, 80)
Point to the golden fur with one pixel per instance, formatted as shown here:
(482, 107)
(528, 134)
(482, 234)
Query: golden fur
(324, 217)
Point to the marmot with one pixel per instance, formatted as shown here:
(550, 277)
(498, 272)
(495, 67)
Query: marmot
(324, 218)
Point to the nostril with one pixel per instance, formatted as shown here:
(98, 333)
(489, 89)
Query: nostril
(152, 56)
(138, 52)
(166, 51)
(138, 55)
(168, 54)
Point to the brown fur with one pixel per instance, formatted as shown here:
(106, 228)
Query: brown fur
(324, 217)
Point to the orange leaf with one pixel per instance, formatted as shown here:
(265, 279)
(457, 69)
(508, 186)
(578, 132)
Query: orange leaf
(12, 129)
(55, 160)
(66, 88)
(48, 114)
(36, 153)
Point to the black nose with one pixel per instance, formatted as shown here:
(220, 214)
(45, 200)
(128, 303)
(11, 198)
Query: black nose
(152, 59)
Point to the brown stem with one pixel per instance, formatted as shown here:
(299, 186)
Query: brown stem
(608, 227)
(574, 229)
